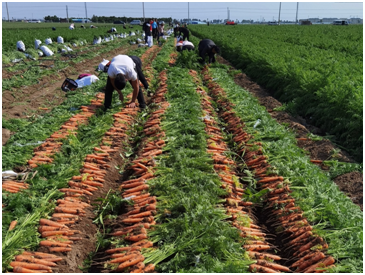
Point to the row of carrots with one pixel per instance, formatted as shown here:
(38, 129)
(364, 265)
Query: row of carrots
(255, 243)
(141, 217)
(43, 153)
(70, 209)
(307, 249)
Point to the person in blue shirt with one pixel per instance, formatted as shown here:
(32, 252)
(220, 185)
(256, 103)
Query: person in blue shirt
(154, 28)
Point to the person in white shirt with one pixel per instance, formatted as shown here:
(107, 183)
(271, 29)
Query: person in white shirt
(124, 68)
(187, 45)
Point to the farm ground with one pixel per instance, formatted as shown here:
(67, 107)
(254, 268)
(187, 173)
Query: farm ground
(47, 93)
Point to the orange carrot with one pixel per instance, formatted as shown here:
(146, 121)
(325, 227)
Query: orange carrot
(149, 268)
(125, 257)
(310, 261)
(324, 262)
(59, 249)
(51, 223)
(30, 259)
(12, 225)
(256, 247)
(119, 249)
(53, 243)
(261, 269)
(30, 266)
(19, 269)
(130, 262)
(268, 179)
(136, 238)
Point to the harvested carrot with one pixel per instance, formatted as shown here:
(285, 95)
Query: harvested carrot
(12, 225)
(256, 247)
(310, 261)
(130, 262)
(119, 249)
(149, 268)
(59, 249)
(268, 179)
(273, 266)
(324, 262)
(19, 269)
(30, 265)
(51, 223)
(261, 269)
(30, 259)
(53, 243)
(135, 238)
(125, 257)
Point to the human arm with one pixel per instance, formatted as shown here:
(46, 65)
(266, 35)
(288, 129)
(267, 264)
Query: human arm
(135, 85)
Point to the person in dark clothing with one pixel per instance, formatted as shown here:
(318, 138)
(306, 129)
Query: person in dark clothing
(183, 31)
(146, 28)
(124, 68)
(207, 47)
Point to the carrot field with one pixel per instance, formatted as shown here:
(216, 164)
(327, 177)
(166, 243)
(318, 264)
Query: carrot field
(206, 179)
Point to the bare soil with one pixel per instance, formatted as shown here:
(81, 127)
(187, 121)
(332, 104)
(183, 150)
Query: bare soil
(351, 183)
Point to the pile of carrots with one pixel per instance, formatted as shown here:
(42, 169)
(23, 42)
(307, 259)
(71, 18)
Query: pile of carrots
(43, 153)
(141, 217)
(34, 262)
(305, 247)
(238, 210)
(14, 186)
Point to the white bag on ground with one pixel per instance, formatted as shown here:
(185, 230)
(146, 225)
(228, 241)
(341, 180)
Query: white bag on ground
(48, 41)
(97, 40)
(102, 65)
(85, 81)
(68, 48)
(46, 50)
(150, 41)
(60, 40)
(37, 43)
(20, 46)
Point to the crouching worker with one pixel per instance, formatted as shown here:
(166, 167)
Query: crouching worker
(184, 45)
(125, 68)
(207, 47)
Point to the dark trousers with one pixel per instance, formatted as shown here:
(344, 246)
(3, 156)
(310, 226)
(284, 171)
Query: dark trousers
(154, 33)
(110, 89)
(146, 35)
(185, 36)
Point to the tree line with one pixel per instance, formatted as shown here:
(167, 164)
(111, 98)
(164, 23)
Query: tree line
(111, 19)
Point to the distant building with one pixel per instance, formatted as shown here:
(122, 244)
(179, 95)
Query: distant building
(82, 20)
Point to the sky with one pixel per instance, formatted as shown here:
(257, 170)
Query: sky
(203, 10)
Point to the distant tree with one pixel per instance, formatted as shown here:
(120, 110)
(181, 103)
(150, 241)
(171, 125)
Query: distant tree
(52, 18)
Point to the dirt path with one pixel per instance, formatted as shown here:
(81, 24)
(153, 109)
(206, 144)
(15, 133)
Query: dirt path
(351, 183)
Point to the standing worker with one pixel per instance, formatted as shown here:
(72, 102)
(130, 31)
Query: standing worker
(146, 28)
(121, 69)
(183, 31)
(207, 47)
(154, 28)
(160, 30)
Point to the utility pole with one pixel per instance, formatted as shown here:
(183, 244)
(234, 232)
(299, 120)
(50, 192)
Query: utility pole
(279, 13)
(296, 18)
(143, 12)
(188, 13)
(67, 13)
(227, 14)
(85, 13)
(7, 11)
